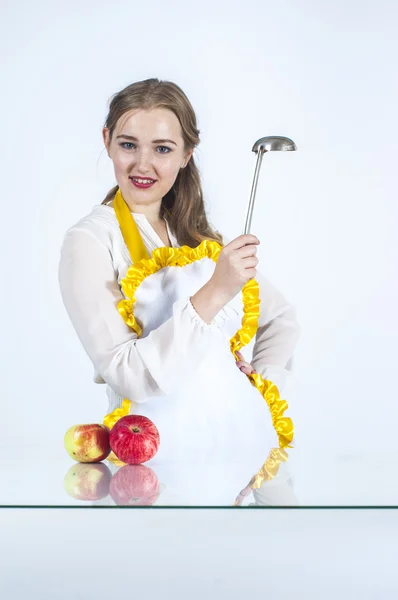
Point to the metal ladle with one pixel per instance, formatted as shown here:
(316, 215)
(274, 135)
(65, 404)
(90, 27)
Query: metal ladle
(265, 144)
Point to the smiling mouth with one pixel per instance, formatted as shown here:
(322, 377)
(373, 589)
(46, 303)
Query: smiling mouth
(143, 180)
(142, 184)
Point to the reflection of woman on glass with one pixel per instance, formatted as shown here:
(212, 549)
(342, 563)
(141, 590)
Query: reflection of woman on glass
(179, 371)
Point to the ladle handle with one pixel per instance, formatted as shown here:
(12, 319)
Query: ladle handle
(253, 193)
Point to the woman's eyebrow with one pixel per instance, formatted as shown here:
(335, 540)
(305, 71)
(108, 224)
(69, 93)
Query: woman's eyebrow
(134, 139)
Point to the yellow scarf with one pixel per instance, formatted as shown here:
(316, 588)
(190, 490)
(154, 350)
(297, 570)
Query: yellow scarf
(143, 266)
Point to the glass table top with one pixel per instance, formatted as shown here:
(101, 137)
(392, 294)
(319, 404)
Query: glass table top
(293, 477)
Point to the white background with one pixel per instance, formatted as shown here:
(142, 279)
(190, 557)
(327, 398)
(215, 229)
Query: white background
(323, 74)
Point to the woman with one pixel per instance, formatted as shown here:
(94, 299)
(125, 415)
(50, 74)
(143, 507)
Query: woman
(179, 371)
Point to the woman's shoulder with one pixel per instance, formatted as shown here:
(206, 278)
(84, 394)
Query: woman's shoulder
(100, 217)
(100, 223)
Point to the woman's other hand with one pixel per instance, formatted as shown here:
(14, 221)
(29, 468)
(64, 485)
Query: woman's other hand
(244, 366)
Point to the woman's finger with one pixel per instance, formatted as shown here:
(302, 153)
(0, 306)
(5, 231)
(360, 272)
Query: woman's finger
(245, 367)
(242, 363)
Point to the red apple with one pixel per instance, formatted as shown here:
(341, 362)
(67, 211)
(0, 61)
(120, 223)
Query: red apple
(87, 443)
(134, 439)
(88, 481)
(134, 485)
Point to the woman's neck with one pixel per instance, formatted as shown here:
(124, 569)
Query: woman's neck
(152, 219)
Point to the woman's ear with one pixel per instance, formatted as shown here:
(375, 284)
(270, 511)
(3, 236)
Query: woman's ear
(187, 157)
(105, 137)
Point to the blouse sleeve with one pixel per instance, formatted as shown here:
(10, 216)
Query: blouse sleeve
(277, 334)
(135, 368)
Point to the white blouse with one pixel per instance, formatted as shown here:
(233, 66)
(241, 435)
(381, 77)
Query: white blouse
(175, 341)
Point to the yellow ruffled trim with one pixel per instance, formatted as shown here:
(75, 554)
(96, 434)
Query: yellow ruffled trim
(180, 257)
(161, 257)
(118, 413)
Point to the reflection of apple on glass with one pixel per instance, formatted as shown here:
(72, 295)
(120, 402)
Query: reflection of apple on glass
(88, 481)
(87, 443)
(134, 485)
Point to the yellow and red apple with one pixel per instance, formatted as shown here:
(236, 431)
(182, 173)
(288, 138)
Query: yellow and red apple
(87, 443)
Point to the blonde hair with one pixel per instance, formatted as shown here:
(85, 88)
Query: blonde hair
(183, 205)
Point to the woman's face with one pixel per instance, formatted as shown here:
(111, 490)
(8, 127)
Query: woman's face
(146, 144)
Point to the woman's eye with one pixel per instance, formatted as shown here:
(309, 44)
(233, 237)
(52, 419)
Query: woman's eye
(166, 148)
(128, 145)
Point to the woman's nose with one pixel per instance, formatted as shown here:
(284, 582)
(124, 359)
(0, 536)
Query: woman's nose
(143, 161)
